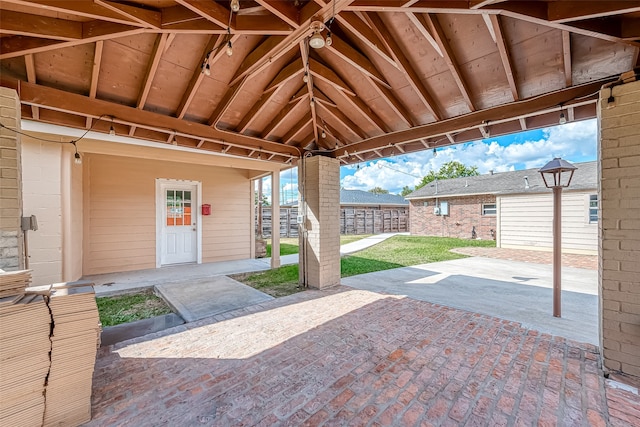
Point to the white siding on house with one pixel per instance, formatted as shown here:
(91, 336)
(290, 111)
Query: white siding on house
(526, 221)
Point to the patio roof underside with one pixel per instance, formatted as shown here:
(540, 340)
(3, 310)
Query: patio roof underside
(400, 76)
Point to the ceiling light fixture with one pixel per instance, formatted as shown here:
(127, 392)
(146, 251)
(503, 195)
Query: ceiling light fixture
(484, 130)
(317, 41)
(323, 134)
(229, 48)
(77, 159)
(235, 5)
(305, 78)
(207, 69)
(435, 153)
(112, 131)
(562, 119)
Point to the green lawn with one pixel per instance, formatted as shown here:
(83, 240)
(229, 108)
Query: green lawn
(130, 307)
(398, 251)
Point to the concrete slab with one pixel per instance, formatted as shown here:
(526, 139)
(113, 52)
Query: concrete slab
(510, 290)
(115, 334)
(204, 297)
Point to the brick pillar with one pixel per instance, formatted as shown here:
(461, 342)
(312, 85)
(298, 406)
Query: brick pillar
(619, 248)
(320, 237)
(10, 182)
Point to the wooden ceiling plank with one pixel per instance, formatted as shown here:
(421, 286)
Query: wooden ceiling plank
(567, 11)
(289, 72)
(280, 117)
(158, 50)
(86, 9)
(256, 110)
(360, 106)
(261, 25)
(24, 24)
(95, 69)
(356, 59)
(344, 120)
(197, 77)
(505, 57)
(487, 21)
(421, 26)
(210, 10)
(324, 73)
(59, 100)
(449, 57)
(566, 56)
(283, 10)
(405, 65)
(361, 30)
(393, 102)
(256, 56)
(227, 99)
(473, 119)
(296, 129)
(145, 17)
(479, 4)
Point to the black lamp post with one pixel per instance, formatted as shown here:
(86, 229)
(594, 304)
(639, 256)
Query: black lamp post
(557, 175)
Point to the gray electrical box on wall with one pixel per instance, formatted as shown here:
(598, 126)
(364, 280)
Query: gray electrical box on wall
(29, 223)
(444, 208)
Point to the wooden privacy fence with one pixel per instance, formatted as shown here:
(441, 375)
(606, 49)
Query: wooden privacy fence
(352, 221)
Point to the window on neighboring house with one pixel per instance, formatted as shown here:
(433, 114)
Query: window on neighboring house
(488, 209)
(593, 208)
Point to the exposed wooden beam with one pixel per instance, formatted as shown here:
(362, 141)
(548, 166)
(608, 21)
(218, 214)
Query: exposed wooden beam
(449, 57)
(293, 70)
(567, 11)
(210, 10)
(24, 24)
(479, 4)
(501, 112)
(198, 75)
(283, 10)
(158, 50)
(95, 69)
(281, 116)
(389, 97)
(345, 121)
(257, 108)
(345, 51)
(495, 27)
(361, 30)
(255, 57)
(296, 129)
(566, 56)
(227, 99)
(523, 123)
(55, 99)
(145, 17)
(406, 66)
(31, 78)
(261, 25)
(326, 74)
(419, 24)
(86, 9)
(304, 53)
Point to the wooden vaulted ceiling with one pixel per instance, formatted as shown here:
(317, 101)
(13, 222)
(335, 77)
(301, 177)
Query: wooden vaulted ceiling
(400, 75)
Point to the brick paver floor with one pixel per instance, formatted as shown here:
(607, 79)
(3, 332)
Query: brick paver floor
(351, 357)
(539, 257)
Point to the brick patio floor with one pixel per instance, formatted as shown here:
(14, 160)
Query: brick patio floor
(351, 357)
(539, 257)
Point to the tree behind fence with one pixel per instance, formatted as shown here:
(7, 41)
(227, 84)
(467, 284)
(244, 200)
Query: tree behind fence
(352, 221)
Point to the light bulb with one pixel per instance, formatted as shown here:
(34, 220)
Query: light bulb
(78, 159)
(316, 41)
(435, 153)
(229, 49)
(312, 102)
(305, 78)
(563, 119)
(207, 70)
(235, 5)
(329, 40)
(324, 134)
(112, 131)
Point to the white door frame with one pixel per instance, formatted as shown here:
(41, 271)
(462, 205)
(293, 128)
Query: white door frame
(161, 207)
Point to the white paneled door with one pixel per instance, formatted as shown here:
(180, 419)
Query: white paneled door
(179, 224)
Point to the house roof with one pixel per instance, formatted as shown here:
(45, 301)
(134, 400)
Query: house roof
(359, 197)
(584, 178)
(400, 76)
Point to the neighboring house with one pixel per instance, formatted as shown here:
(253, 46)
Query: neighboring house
(514, 208)
(131, 206)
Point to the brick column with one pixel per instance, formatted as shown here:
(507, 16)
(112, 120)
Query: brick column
(320, 237)
(10, 182)
(619, 248)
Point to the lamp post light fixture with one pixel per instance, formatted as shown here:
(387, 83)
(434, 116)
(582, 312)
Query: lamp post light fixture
(557, 175)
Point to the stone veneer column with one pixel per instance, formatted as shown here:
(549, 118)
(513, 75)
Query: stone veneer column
(619, 194)
(320, 237)
(10, 182)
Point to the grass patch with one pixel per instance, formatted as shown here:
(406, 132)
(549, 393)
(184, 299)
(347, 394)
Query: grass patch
(398, 251)
(289, 245)
(130, 307)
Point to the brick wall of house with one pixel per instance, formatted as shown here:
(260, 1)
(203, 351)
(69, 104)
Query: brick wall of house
(619, 269)
(465, 213)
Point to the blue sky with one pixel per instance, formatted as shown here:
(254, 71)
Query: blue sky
(575, 142)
